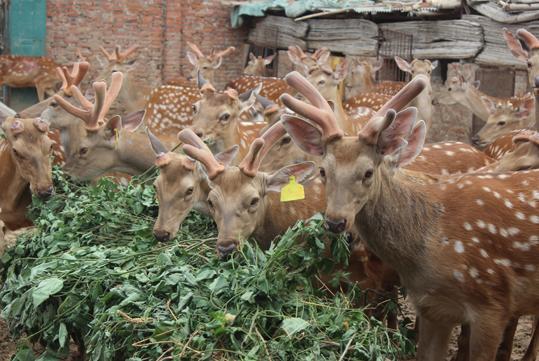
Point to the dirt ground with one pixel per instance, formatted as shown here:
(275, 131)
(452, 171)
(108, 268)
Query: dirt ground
(7, 346)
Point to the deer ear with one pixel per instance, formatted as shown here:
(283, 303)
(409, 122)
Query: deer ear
(476, 84)
(302, 171)
(133, 120)
(390, 140)
(217, 62)
(526, 107)
(413, 146)
(403, 64)
(114, 125)
(252, 57)
(434, 64)
(489, 104)
(269, 59)
(193, 59)
(305, 135)
(341, 71)
(377, 64)
(157, 147)
(227, 156)
(515, 46)
(324, 57)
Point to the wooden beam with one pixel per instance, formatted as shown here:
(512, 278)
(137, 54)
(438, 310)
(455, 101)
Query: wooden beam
(347, 36)
(440, 39)
(278, 32)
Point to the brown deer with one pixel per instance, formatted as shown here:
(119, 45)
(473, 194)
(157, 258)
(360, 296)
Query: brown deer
(424, 101)
(29, 71)
(530, 55)
(26, 168)
(450, 247)
(505, 117)
(304, 62)
(134, 93)
(257, 65)
(95, 145)
(362, 78)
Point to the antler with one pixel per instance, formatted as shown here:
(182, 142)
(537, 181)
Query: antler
(222, 53)
(260, 148)
(195, 148)
(531, 41)
(74, 78)
(93, 114)
(195, 49)
(110, 57)
(122, 55)
(318, 111)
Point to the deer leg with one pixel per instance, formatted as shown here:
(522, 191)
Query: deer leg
(533, 348)
(506, 347)
(433, 339)
(486, 333)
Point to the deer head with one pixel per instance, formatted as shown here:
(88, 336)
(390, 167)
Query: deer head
(31, 151)
(181, 186)
(305, 62)
(530, 55)
(525, 154)
(504, 117)
(239, 195)
(118, 61)
(417, 66)
(96, 144)
(257, 64)
(353, 167)
(362, 74)
(206, 65)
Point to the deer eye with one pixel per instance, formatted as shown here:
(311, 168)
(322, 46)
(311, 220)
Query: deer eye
(501, 123)
(224, 117)
(321, 82)
(254, 201)
(54, 105)
(210, 204)
(286, 140)
(195, 108)
(17, 154)
(529, 64)
(322, 173)
(189, 191)
(368, 174)
(83, 151)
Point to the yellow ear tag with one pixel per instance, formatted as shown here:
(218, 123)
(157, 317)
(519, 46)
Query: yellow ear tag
(292, 191)
(116, 136)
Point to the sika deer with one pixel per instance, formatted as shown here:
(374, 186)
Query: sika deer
(26, 168)
(99, 145)
(257, 65)
(362, 78)
(424, 101)
(505, 117)
(29, 71)
(466, 254)
(530, 55)
(304, 62)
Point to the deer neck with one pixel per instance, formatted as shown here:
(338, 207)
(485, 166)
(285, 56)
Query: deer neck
(16, 195)
(396, 222)
(132, 96)
(134, 152)
(472, 101)
(423, 102)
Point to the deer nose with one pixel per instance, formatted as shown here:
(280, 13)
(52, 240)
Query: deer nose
(337, 226)
(161, 235)
(45, 193)
(225, 251)
(199, 133)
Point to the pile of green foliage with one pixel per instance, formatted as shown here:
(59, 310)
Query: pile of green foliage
(92, 272)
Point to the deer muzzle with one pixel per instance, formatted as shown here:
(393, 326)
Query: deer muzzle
(336, 225)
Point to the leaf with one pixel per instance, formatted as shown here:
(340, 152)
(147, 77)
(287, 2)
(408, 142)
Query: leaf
(24, 354)
(217, 284)
(45, 289)
(294, 325)
(185, 300)
(62, 334)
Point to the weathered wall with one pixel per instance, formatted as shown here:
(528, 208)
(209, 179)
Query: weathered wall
(160, 27)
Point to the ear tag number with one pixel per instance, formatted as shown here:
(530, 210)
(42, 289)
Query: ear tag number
(292, 191)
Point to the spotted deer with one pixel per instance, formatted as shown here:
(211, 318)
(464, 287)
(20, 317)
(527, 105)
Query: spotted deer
(29, 71)
(424, 101)
(530, 55)
(362, 78)
(257, 65)
(26, 168)
(465, 250)
(134, 93)
(94, 144)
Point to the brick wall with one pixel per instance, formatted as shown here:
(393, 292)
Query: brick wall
(160, 27)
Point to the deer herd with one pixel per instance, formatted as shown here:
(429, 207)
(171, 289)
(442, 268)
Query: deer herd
(456, 225)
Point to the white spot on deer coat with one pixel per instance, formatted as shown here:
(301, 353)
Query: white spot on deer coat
(467, 226)
(458, 276)
(503, 262)
(459, 247)
(483, 253)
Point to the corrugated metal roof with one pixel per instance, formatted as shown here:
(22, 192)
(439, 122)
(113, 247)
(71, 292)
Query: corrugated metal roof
(294, 9)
